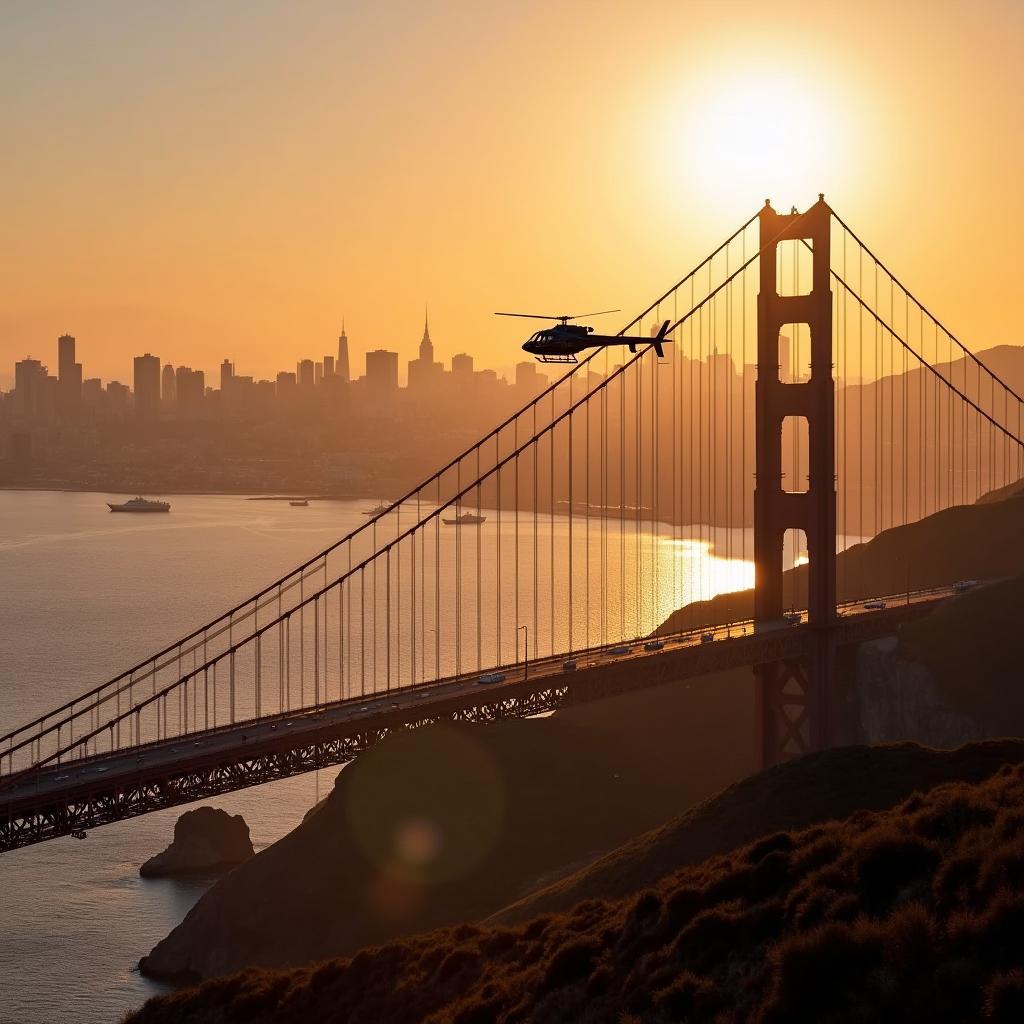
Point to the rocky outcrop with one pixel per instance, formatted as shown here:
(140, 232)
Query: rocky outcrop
(206, 839)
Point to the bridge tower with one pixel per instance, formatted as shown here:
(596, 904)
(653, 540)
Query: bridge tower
(792, 707)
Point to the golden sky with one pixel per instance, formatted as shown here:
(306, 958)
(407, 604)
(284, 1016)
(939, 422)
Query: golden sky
(207, 180)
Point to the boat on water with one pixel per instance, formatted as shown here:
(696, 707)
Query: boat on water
(301, 503)
(466, 519)
(140, 505)
(379, 510)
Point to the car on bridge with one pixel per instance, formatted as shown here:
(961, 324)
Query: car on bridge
(707, 638)
(653, 645)
(961, 585)
(492, 677)
(620, 649)
(873, 606)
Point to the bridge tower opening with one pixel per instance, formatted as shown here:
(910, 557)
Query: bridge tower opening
(792, 693)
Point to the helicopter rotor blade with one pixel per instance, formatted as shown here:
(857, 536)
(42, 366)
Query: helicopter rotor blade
(602, 312)
(535, 316)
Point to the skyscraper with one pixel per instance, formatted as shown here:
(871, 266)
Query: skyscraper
(382, 372)
(426, 345)
(328, 366)
(169, 386)
(341, 369)
(528, 377)
(29, 387)
(305, 373)
(227, 371)
(147, 386)
(462, 366)
(69, 376)
(191, 388)
(424, 373)
(65, 354)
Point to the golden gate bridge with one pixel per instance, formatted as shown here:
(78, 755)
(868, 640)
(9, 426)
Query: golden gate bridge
(807, 401)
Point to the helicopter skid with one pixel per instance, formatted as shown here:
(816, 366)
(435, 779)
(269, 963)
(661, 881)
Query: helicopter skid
(567, 358)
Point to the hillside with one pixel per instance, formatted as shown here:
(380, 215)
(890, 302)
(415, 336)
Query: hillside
(912, 914)
(829, 785)
(451, 823)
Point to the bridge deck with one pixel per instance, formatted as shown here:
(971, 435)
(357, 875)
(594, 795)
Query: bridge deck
(73, 797)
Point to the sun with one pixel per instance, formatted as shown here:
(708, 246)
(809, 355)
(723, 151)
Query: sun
(764, 134)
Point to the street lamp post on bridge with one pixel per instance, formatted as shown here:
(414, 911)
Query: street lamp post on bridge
(526, 651)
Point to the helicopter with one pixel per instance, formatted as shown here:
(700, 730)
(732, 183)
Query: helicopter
(561, 342)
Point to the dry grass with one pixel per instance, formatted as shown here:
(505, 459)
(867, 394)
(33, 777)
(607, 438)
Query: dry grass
(910, 914)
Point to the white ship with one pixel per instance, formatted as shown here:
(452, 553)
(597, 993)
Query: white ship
(466, 519)
(140, 505)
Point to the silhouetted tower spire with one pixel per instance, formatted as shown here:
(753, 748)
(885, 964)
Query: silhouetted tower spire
(426, 345)
(341, 366)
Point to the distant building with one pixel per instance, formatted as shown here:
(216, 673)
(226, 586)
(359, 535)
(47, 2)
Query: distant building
(65, 354)
(92, 393)
(424, 373)
(30, 397)
(529, 378)
(147, 386)
(462, 366)
(117, 398)
(168, 386)
(69, 376)
(318, 372)
(191, 389)
(261, 397)
(328, 366)
(785, 360)
(721, 369)
(341, 370)
(381, 372)
(305, 373)
(227, 371)
(285, 384)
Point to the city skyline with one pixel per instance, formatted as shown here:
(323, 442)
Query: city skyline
(329, 364)
(201, 212)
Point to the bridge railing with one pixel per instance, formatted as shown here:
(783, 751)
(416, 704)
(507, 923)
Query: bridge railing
(474, 478)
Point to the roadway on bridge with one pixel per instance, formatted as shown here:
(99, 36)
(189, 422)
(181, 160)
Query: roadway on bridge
(181, 752)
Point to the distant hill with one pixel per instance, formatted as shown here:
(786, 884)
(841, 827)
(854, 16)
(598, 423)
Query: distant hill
(912, 914)
(983, 540)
